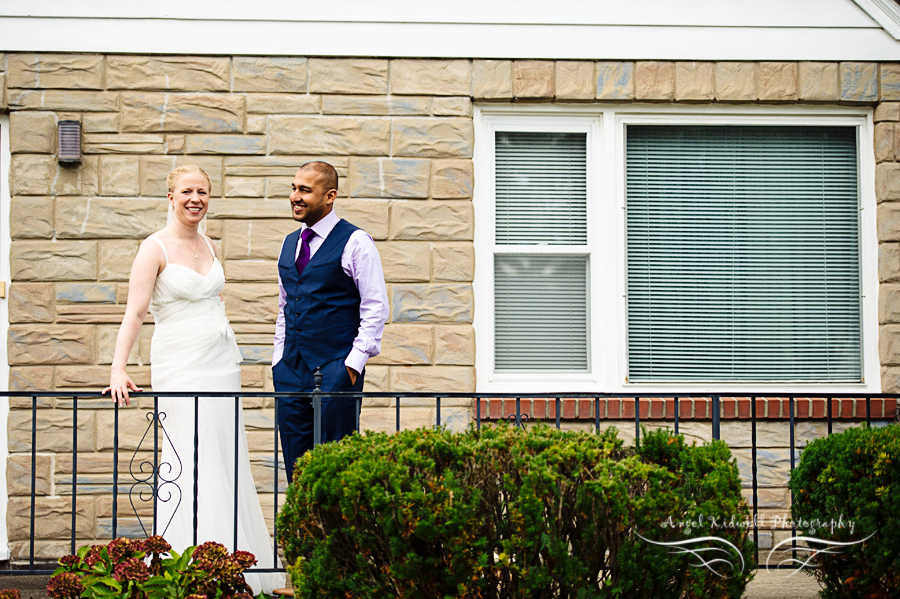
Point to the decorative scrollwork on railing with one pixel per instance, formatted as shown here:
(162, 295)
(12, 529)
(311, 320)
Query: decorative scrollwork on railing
(518, 421)
(157, 484)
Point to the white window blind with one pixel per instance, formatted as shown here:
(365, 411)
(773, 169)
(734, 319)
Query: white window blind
(540, 300)
(743, 254)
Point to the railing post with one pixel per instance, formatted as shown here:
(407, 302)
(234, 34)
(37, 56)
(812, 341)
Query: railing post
(155, 460)
(237, 441)
(716, 434)
(317, 407)
(195, 505)
(115, 497)
(74, 467)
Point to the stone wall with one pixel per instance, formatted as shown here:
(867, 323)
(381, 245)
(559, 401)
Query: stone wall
(399, 132)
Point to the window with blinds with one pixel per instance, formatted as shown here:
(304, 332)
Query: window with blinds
(743, 254)
(540, 299)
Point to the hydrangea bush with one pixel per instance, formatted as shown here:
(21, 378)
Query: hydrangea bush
(150, 569)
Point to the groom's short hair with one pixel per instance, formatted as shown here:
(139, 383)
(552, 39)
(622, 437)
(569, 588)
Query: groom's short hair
(326, 171)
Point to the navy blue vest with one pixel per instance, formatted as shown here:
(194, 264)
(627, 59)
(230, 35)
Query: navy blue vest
(321, 316)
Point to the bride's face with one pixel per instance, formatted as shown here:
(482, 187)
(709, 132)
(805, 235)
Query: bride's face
(190, 198)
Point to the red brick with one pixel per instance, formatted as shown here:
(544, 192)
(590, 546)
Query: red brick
(860, 408)
(670, 408)
(702, 408)
(539, 408)
(551, 409)
(484, 405)
(743, 407)
(568, 408)
(627, 408)
(802, 407)
(774, 407)
(890, 408)
(835, 408)
(729, 408)
(658, 408)
(496, 409)
(847, 408)
(760, 407)
(685, 407)
(818, 408)
(585, 409)
(614, 408)
(645, 408)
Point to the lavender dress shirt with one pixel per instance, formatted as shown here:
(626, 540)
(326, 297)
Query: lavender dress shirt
(361, 262)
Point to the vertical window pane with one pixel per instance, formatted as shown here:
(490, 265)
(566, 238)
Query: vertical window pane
(540, 312)
(743, 254)
(541, 188)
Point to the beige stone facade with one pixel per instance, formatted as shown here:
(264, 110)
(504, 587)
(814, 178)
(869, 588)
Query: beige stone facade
(400, 133)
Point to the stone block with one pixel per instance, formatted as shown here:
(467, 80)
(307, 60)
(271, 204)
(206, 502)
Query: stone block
(405, 261)
(155, 169)
(888, 221)
(61, 71)
(75, 101)
(249, 209)
(533, 79)
(53, 518)
(115, 259)
(890, 379)
(889, 345)
(492, 79)
(389, 178)
(452, 179)
(778, 81)
(887, 111)
(884, 142)
(269, 74)
(615, 80)
(329, 135)
(887, 183)
(888, 262)
(32, 133)
(453, 262)
(432, 221)
(124, 143)
(169, 73)
(406, 344)
(104, 122)
(96, 377)
(348, 75)
(252, 376)
(18, 475)
(119, 176)
(695, 81)
(859, 82)
(174, 144)
(31, 174)
(384, 420)
(283, 104)
(654, 80)
(454, 345)
(433, 378)
(773, 466)
(90, 314)
(106, 347)
(257, 354)
(81, 293)
(90, 175)
(225, 144)
(255, 239)
(430, 77)
(433, 138)
(108, 218)
(245, 187)
(737, 81)
(58, 261)
(54, 431)
(447, 303)
(889, 304)
(376, 380)
(257, 124)
(575, 80)
(30, 302)
(286, 166)
(247, 302)
(376, 105)
(890, 81)
(31, 218)
(133, 425)
(451, 107)
(32, 378)
(371, 215)
(201, 113)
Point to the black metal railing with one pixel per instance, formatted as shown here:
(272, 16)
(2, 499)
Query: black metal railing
(156, 481)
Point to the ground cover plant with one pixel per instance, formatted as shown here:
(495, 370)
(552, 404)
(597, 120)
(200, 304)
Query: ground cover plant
(847, 488)
(150, 569)
(507, 512)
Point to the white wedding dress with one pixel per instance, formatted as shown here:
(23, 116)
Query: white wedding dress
(194, 349)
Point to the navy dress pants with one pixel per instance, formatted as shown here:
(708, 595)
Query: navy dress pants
(295, 416)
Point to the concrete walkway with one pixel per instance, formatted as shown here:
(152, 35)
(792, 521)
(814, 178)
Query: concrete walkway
(767, 585)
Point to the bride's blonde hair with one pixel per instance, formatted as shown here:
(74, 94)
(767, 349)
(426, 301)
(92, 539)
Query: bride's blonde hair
(176, 173)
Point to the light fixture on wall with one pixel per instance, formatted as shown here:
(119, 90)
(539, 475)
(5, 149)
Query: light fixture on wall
(69, 142)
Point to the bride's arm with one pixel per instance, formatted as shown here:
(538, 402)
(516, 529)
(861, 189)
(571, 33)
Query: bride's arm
(146, 266)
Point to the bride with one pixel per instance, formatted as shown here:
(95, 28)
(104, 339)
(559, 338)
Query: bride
(177, 275)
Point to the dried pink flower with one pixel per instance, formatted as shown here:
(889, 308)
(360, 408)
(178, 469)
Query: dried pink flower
(65, 586)
(131, 569)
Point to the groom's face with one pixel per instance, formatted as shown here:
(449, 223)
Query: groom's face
(310, 197)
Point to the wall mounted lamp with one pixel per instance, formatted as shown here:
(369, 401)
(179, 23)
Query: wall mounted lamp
(69, 138)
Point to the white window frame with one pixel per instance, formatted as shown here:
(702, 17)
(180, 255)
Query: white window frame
(606, 238)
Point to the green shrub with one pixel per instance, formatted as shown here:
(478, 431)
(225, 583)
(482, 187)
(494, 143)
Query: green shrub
(507, 513)
(853, 478)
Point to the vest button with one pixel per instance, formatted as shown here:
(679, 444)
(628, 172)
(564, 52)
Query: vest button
(298, 298)
(297, 314)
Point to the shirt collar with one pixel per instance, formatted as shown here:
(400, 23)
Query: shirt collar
(325, 225)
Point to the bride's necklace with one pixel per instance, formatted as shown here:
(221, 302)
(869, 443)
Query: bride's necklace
(196, 247)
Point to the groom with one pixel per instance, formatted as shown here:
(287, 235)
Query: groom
(331, 313)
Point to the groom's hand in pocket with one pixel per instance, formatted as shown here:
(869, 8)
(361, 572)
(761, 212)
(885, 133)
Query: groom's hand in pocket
(353, 375)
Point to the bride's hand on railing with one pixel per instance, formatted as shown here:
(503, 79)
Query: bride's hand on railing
(119, 384)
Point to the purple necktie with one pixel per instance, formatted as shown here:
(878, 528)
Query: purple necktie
(303, 256)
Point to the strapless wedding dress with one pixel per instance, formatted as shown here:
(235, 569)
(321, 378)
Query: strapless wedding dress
(194, 349)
